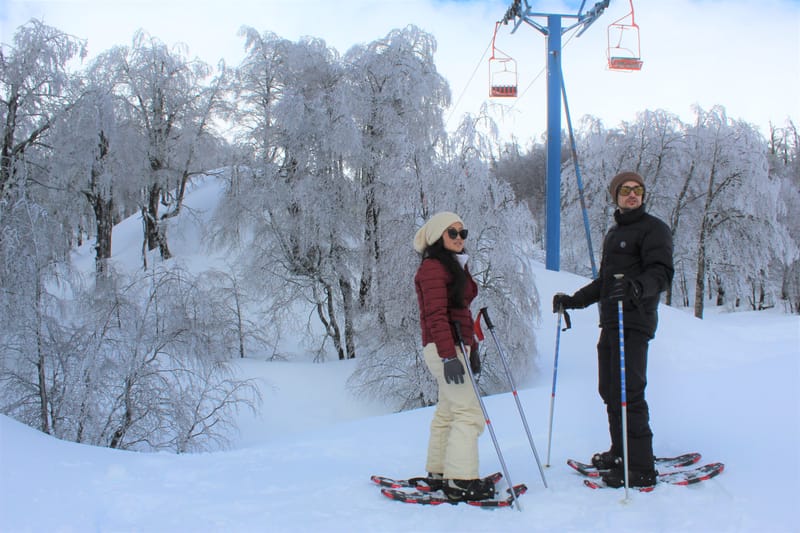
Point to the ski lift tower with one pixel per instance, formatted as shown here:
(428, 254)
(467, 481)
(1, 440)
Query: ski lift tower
(521, 12)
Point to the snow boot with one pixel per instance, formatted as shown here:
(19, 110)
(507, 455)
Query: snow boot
(606, 460)
(636, 478)
(462, 490)
(435, 481)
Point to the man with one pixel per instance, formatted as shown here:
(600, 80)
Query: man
(639, 247)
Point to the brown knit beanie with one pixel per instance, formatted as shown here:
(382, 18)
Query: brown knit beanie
(432, 230)
(621, 178)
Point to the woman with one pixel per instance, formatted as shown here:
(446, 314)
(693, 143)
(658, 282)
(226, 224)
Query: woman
(445, 290)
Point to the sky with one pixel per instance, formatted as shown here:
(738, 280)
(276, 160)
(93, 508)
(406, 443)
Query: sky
(725, 387)
(740, 54)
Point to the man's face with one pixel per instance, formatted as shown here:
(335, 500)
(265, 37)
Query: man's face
(629, 195)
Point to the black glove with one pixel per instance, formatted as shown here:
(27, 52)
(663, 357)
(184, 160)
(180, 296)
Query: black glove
(564, 301)
(625, 289)
(453, 370)
(475, 359)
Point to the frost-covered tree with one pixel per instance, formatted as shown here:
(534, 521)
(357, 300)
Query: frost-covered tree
(526, 172)
(259, 81)
(739, 199)
(29, 304)
(34, 91)
(93, 157)
(135, 365)
(784, 157)
(400, 97)
(335, 144)
(171, 102)
(299, 198)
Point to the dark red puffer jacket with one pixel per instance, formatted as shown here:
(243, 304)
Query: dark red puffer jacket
(435, 315)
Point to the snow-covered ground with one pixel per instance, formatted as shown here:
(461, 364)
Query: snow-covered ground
(725, 386)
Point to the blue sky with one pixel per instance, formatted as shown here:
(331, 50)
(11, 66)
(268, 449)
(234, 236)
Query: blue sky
(741, 54)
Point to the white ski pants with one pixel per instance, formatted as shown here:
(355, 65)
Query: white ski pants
(457, 423)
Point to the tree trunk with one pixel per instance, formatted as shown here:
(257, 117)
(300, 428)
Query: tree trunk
(700, 286)
(326, 314)
(680, 204)
(336, 333)
(239, 319)
(104, 226)
(720, 291)
(9, 128)
(103, 207)
(40, 363)
(150, 217)
(705, 231)
(347, 303)
(370, 242)
(155, 232)
(119, 434)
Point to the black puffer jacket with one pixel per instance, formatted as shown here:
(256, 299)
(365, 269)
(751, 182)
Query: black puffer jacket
(639, 246)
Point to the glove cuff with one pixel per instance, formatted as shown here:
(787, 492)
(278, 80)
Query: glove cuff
(636, 289)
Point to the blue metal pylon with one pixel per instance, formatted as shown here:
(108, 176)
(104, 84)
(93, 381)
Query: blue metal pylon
(553, 32)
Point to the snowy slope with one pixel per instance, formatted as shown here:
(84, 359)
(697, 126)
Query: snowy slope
(725, 386)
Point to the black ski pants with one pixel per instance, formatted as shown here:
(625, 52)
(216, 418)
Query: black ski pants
(640, 437)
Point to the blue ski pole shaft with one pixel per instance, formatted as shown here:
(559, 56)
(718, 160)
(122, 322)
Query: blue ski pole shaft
(502, 354)
(457, 327)
(553, 392)
(623, 392)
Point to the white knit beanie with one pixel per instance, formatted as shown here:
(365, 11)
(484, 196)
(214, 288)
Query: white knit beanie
(432, 230)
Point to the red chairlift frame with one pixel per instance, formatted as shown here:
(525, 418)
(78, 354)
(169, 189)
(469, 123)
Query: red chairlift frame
(509, 70)
(624, 57)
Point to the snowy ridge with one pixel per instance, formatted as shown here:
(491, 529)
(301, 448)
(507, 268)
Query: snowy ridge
(725, 386)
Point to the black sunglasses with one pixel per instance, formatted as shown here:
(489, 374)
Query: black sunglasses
(453, 233)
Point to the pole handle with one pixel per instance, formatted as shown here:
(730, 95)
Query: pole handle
(457, 327)
(485, 312)
(567, 319)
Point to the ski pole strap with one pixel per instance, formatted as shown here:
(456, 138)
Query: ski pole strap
(477, 327)
(567, 321)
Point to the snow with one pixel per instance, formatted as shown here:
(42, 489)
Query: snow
(725, 386)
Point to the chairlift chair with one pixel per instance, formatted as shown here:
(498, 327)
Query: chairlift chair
(503, 77)
(502, 72)
(624, 52)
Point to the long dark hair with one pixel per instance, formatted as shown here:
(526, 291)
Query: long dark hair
(455, 289)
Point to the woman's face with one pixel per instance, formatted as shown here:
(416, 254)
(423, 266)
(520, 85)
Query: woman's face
(454, 244)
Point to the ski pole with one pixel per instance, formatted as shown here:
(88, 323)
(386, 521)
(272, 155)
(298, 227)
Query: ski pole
(500, 351)
(555, 377)
(457, 326)
(623, 393)
(567, 325)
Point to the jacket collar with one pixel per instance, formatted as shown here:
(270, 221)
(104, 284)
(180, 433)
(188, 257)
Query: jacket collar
(629, 217)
